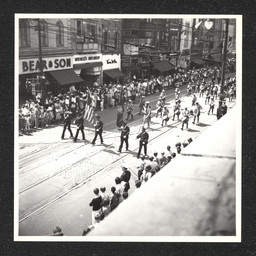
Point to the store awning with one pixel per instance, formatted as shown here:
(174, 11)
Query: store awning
(114, 73)
(87, 65)
(131, 68)
(65, 77)
(163, 66)
(198, 61)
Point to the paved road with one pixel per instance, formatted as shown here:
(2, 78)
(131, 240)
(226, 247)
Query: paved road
(57, 177)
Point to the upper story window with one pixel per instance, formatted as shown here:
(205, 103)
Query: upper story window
(105, 40)
(24, 32)
(44, 33)
(116, 39)
(79, 27)
(59, 34)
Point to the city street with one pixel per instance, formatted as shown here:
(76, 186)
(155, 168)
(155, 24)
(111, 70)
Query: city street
(57, 177)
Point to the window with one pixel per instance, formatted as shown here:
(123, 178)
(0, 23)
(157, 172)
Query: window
(116, 40)
(105, 40)
(44, 33)
(186, 35)
(79, 27)
(59, 34)
(24, 33)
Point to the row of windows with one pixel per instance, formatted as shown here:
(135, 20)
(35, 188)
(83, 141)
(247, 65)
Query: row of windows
(24, 30)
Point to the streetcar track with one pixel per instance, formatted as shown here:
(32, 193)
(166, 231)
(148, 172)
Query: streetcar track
(87, 179)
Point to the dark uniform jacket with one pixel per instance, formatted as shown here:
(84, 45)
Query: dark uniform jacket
(125, 131)
(126, 175)
(98, 125)
(67, 120)
(79, 122)
(143, 137)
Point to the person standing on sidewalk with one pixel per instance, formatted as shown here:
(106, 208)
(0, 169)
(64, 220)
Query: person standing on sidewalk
(96, 204)
(80, 126)
(143, 141)
(125, 130)
(98, 129)
(67, 123)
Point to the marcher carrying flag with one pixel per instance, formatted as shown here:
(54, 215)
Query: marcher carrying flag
(89, 110)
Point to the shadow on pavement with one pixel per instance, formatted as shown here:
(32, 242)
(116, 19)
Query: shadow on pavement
(203, 125)
(192, 130)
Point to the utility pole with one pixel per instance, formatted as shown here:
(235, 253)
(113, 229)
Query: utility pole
(224, 60)
(41, 86)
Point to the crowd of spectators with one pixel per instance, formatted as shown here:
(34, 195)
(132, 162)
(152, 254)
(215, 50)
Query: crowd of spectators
(44, 112)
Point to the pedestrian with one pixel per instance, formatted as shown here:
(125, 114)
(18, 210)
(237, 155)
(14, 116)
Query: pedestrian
(129, 110)
(154, 165)
(196, 112)
(125, 195)
(137, 184)
(67, 123)
(156, 158)
(103, 194)
(211, 108)
(114, 199)
(185, 118)
(98, 129)
(165, 115)
(125, 131)
(106, 209)
(143, 141)
(80, 126)
(162, 160)
(96, 204)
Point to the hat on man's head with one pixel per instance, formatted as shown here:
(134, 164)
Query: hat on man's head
(124, 165)
(147, 102)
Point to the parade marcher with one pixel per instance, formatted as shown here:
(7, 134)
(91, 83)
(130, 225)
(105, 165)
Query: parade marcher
(194, 100)
(196, 112)
(185, 118)
(211, 106)
(80, 126)
(177, 93)
(143, 141)
(147, 114)
(67, 123)
(163, 96)
(176, 110)
(98, 129)
(201, 92)
(224, 108)
(125, 130)
(207, 96)
(129, 110)
(159, 106)
(165, 115)
(141, 104)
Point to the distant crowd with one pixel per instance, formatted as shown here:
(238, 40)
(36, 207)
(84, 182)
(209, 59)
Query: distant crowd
(42, 113)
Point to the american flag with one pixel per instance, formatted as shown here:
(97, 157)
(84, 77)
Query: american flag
(89, 113)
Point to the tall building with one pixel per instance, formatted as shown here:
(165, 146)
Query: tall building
(54, 46)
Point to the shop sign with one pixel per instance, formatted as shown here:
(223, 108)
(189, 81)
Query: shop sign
(131, 49)
(111, 61)
(86, 58)
(126, 61)
(27, 66)
(155, 57)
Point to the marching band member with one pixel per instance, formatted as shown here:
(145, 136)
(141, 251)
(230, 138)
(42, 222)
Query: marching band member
(147, 114)
(165, 115)
(125, 130)
(129, 110)
(143, 141)
(185, 118)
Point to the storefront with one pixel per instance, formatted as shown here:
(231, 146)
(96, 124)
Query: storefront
(57, 73)
(89, 68)
(111, 68)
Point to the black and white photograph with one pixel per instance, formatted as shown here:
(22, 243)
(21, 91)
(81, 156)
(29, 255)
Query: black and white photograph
(128, 127)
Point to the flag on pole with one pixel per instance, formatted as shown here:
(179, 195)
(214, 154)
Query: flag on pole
(89, 113)
(198, 24)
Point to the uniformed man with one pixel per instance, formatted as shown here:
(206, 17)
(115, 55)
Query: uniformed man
(67, 123)
(98, 129)
(141, 104)
(185, 118)
(159, 106)
(176, 110)
(80, 126)
(147, 114)
(125, 130)
(163, 96)
(143, 141)
(129, 110)
(165, 115)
